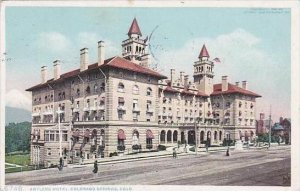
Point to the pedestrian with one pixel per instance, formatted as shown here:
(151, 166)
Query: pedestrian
(95, 171)
(206, 146)
(227, 152)
(174, 153)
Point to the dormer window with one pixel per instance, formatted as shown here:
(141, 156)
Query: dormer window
(88, 90)
(135, 89)
(120, 87)
(95, 88)
(149, 91)
(102, 88)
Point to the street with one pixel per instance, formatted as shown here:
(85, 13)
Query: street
(265, 167)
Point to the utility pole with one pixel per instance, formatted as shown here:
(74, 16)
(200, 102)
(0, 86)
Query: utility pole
(270, 128)
(196, 146)
(59, 130)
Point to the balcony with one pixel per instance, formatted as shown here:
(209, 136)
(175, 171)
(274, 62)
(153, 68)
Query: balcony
(101, 108)
(136, 109)
(93, 108)
(76, 110)
(48, 112)
(36, 114)
(86, 109)
(149, 110)
(121, 108)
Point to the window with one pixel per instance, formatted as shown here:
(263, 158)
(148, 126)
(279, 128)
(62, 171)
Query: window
(149, 91)
(149, 105)
(135, 105)
(88, 90)
(120, 87)
(135, 89)
(164, 100)
(102, 88)
(95, 88)
(78, 92)
(48, 151)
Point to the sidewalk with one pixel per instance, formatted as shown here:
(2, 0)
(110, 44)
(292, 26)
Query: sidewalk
(164, 154)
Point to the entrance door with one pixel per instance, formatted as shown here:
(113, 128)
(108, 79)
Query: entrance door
(191, 137)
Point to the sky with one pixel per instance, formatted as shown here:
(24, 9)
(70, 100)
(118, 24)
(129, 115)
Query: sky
(252, 44)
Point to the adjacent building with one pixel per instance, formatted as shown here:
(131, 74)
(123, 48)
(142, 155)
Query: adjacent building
(120, 104)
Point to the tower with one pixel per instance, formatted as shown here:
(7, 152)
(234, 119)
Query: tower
(203, 72)
(134, 48)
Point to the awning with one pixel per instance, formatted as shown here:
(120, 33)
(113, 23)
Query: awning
(75, 134)
(121, 100)
(121, 135)
(87, 134)
(149, 135)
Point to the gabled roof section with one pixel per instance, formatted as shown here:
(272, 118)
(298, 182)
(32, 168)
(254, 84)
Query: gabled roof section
(116, 62)
(134, 28)
(231, 90)
(203, 52)
(171, 90)
(122, 63)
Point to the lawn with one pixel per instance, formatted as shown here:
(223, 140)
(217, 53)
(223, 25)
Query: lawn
(19, 159)
(22, 160)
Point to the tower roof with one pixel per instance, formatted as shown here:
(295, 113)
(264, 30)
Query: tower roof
(203, 52)
(134, 28)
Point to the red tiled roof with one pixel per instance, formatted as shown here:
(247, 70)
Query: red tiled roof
(134, 28)
(122, 63)
(116, 62)
(170, 89)
(199, 93)
(232, 89)
(203, 52)
(187, 92)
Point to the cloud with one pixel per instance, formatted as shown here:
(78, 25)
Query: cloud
(53, 41)
(17, 99)
(242, 58)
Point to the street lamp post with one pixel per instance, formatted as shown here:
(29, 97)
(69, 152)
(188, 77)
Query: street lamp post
(59, 130)
(270, 128)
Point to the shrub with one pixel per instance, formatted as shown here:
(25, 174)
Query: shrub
(136, 147)
(121, 147)
(161, 147)
(149, 146)
(113, 154)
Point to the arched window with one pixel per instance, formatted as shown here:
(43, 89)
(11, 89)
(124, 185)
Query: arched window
(120, 87)
(216, 135)
(95, 88)
(169, 136)
(135, 89)
(220, 135)
(135, 137)
(88, 90)
(162, 136)
(102, 88)
(149, 91)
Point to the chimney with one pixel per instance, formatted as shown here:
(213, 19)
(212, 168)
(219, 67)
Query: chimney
(244, 85)
(237, 84)
(186, 81)
(101, 53)
(224, 83)
(84, 59)
(57, 69)
(44, 74)
(182, 77)
(172, 76)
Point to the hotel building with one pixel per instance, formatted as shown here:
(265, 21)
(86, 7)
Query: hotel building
(121, 105)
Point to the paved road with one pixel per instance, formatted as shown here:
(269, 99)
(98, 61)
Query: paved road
(251, 168)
